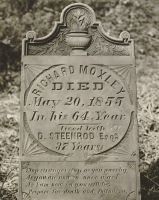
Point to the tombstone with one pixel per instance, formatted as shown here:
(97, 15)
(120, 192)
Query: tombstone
(78, 112)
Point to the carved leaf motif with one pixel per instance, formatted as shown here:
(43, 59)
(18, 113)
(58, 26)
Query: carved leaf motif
(101, 46)
(121, 150)
(31, 72)
(31, 147)
(125, 72)
(78, 20)
(56, 47)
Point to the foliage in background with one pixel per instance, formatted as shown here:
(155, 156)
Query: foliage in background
(139, 17)
(9, 139)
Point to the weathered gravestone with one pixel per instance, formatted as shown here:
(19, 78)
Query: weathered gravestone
(78, 113)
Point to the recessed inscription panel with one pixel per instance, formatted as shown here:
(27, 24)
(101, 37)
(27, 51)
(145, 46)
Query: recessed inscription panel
(77, 108)
(79, 180)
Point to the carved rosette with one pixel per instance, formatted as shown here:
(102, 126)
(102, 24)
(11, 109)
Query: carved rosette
(125, 36)
(31, 35)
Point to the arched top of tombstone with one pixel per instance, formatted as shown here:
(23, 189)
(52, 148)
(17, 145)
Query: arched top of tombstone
(78, 33)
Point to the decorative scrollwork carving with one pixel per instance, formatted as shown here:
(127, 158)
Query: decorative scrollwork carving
(78, 19)
(30, 35)
(100, 46)
(57, 46)
(125, 36)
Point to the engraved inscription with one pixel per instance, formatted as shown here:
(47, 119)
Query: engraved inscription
(82, 108)
(76, 180)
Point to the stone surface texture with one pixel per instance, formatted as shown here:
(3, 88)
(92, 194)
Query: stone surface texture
(79, 135)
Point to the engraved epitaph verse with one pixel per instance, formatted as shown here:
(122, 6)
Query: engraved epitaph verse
(78, 108)
(76, 180)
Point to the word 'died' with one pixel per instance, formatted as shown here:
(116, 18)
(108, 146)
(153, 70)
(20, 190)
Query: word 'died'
(78, 86)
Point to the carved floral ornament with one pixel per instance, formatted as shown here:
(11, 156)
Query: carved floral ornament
(76, 31)
(79, 20)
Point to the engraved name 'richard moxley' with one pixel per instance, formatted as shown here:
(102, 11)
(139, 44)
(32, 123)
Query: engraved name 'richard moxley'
(101, 74)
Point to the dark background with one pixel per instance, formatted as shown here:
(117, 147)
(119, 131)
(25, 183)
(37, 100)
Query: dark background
(139, 17)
